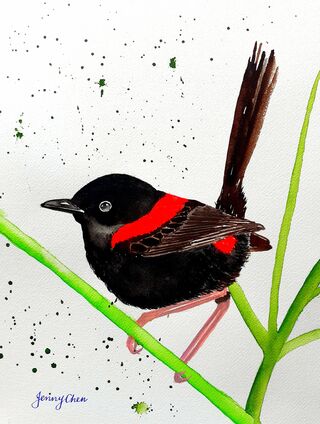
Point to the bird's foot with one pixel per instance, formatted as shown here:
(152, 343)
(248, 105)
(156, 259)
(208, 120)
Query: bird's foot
(179, 377)
(132, 346)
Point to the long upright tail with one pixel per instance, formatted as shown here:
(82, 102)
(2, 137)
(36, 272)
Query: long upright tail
(258, 83)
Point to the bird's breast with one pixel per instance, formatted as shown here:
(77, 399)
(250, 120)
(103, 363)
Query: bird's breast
(98, 235)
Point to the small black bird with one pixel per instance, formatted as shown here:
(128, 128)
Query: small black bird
(157, 251)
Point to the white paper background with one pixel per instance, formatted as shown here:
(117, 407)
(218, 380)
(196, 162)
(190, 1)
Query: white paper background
(56, 157)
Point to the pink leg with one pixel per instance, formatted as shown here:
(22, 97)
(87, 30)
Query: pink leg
(202, 335)
(167, 310)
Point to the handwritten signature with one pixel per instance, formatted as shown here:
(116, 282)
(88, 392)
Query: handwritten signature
(57, 400)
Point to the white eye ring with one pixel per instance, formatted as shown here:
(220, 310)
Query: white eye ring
(105, 206)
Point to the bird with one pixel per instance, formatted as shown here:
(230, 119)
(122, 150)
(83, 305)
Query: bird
(164, 253)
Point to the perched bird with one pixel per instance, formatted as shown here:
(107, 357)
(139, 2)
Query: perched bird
(158, 251)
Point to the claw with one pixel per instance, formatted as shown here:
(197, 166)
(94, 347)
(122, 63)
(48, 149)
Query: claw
(178, 377)
(132, 346)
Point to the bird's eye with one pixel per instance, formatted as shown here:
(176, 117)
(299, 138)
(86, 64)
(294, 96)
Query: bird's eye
(105, 206)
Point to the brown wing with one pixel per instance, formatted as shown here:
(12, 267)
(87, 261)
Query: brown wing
(202, 226)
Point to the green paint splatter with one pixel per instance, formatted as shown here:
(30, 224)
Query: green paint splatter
(47, 350)
(140, 408)
(18, 134)
(101, 83)
(18, 131)
(173, 63)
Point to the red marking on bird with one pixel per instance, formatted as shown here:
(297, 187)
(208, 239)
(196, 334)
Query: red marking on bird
(226, 245)
(164, 210)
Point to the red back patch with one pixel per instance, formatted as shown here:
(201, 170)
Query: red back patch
(164, 210)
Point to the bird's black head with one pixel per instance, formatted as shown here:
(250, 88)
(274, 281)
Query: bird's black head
(110, 200)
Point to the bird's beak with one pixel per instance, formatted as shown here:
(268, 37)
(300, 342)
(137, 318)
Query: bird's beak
(63, 205)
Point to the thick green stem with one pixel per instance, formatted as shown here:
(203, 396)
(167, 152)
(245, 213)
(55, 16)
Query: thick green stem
(250, 318)
(288, 214)
(221, 400)
(260, 385)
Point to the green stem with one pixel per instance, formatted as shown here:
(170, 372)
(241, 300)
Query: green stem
(304, 296)
(299, 341)
(250, 318)
(287, 218)
(259, 387)
(218, 398)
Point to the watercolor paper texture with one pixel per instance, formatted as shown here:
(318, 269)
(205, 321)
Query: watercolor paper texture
(149, 90)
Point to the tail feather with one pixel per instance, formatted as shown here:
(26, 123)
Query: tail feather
(258, 83)
(258, 243)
